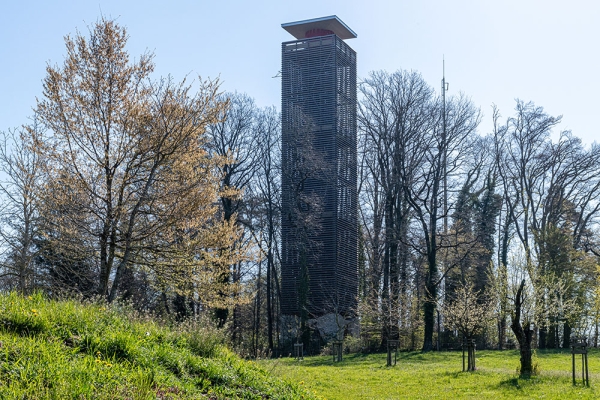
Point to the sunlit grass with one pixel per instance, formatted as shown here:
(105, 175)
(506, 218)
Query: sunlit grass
(60, 350)
(65, 350)
(439, 376)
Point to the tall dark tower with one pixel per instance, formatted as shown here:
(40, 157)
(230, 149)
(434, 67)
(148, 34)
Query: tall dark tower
(319, 271)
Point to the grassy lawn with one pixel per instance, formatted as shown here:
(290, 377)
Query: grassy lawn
(439, 376)
(66, 350)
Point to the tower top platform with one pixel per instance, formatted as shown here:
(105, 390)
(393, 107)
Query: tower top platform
(319, 27)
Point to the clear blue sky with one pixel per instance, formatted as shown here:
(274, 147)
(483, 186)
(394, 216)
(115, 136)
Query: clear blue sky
(495, 51)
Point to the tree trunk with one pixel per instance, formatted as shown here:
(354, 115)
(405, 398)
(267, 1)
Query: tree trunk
(503, 281)
(566, 335)
(501, 332)
(524, 335)
(257, 306)
(543, 338)
(269, 294)
(386, 306)
(430, 297)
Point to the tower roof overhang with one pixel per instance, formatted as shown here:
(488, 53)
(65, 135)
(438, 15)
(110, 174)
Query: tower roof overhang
(301, 29)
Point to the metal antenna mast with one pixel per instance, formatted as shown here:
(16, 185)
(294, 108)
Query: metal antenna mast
(444, 171)
(444, 144)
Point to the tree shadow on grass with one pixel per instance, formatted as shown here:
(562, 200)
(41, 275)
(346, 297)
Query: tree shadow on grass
(453, 374)
(510, 383)
(374, 359)
(321, 361)
(518, 382)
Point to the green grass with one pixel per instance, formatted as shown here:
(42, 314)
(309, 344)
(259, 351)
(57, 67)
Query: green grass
(66, 350)
(439, 376)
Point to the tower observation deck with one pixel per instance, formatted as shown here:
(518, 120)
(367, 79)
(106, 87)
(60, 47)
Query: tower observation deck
(319, 271)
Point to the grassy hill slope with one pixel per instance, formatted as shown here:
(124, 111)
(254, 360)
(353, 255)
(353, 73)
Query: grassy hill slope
(63, 349)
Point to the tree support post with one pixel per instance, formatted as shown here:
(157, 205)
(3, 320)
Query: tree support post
(392, 345)
(579, 345)
(463, 354)
(337, 349)
(299, 351)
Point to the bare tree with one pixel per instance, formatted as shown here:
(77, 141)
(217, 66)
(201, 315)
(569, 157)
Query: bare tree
(21, 169)
(439, 154)
(410, 155)
(232, 137)
(395, 110)
(268, 188)
(550, 191)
